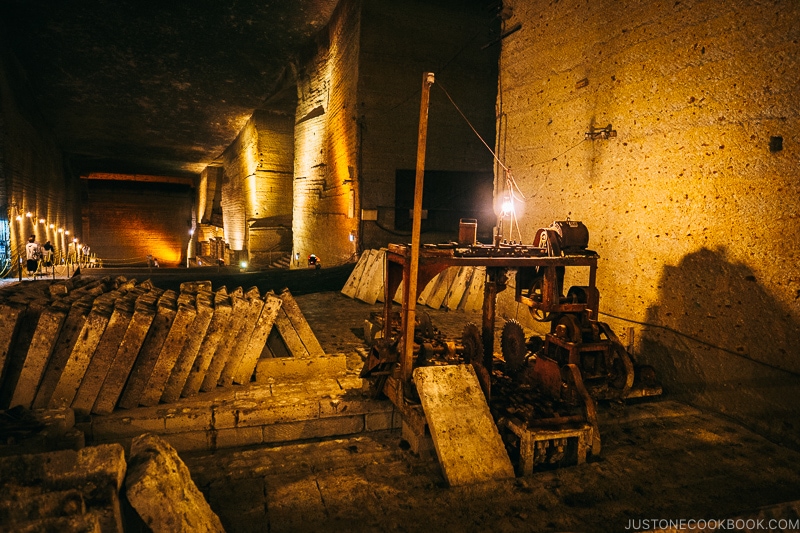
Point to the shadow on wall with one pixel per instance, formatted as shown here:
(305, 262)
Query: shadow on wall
(718, 340)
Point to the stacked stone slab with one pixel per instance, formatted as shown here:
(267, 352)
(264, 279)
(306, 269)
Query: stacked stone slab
(98, 345)
(454, 288)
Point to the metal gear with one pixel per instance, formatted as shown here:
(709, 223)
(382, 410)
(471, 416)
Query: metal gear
(512, 342)
(473, 344)
(473, 354)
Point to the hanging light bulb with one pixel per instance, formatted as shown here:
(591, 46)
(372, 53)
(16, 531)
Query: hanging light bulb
(507, 208)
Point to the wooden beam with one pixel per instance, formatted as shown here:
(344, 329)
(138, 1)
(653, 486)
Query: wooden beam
(110, 176)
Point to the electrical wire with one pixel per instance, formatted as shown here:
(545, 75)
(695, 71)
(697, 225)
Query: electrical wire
(701, 341)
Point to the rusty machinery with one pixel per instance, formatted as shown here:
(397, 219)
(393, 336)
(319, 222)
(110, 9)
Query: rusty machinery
(542, 385)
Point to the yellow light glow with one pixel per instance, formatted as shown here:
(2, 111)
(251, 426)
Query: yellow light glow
(19, 218)
(41, 221)
(52, 226)
(29, 214)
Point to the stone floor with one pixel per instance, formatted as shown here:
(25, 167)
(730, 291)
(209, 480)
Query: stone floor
(660, 460)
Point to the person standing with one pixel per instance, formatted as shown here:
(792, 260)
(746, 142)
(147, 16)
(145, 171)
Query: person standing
(48, 254)
(33, 252)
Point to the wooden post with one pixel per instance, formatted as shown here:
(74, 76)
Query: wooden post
(411, 289)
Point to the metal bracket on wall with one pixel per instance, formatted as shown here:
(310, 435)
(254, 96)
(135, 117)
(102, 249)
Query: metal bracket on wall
(602, 133)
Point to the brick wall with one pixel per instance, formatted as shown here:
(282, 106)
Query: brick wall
(129, 220)
(692, 207)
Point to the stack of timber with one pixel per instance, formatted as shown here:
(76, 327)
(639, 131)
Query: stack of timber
(98, 344)
(454, 288)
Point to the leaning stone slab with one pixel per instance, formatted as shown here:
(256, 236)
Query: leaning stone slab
(173, 345)
(8, 328)
(183, 365)
(125, 357)
(242, 337)
(105, 352)
(240, 305)
(22, 338)
(256, 342)
(39, 352)
(82, 352)
(161, 490)
(300, 325)
(151, 349)
(294, 344)
(67, 339)
(222, 315)
(467, 442)
(351, 286)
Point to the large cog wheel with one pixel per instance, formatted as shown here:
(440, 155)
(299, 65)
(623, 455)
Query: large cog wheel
(472, 341)
(512, 342)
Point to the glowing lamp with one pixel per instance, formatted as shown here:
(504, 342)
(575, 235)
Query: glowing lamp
(29, 214)
(507, 208)
(19, 218)
(41, 221)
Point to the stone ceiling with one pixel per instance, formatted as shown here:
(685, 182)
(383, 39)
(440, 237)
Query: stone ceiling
(154, 87)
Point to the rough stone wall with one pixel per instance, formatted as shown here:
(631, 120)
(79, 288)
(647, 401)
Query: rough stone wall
(693, 207)
(401, 41)
(272, 194)
(131, 220)
(32, 177)
(325, 151)
(257, 183)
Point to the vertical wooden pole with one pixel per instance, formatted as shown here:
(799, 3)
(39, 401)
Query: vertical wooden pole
(411, 301)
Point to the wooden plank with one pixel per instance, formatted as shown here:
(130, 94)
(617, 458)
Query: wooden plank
(364, 280)
(473, 299)
(258, 340)
(437, 297)
(467, 442)
(427, 291)
(398, 296)
(351, 286)
(372, 279)
(460, 284)
(300, 324)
